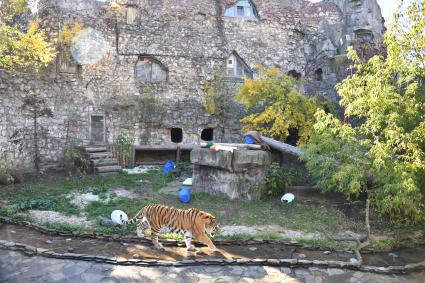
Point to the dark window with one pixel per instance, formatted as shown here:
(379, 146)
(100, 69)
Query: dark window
(294, 74)
(364, 35)
(318, 75)
(207, 134)
(66, 64)
(176, 135)
(150, 70)
(240, 11)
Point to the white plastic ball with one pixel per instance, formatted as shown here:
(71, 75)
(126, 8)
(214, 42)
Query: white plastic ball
(119, 217)
(287, 198)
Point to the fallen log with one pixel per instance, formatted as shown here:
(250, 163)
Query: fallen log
(282, 147)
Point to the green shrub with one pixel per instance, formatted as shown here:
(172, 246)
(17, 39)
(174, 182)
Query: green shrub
(44, 203)
(278, 179)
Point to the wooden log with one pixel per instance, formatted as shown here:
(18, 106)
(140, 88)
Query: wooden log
(162, 147)
(282, 147)
(242, 145)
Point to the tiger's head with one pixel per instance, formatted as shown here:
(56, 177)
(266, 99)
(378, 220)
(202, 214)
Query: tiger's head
(212, 227)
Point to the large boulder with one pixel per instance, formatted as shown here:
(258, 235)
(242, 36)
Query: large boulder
(238, 175)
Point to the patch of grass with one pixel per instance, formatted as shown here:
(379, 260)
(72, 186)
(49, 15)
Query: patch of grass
(50, 192)
(156, 178)
(323, 243)
(295, 216)
(11, 214)
(385, 245)
(236, 237)
(129, 206)
(55, 203)
(63, 227)
(36, 203)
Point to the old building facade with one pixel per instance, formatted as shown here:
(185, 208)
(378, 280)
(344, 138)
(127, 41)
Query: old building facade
(145, 69)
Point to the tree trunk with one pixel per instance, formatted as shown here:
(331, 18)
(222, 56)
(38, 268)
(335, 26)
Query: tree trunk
(36, 152)
(367, 218)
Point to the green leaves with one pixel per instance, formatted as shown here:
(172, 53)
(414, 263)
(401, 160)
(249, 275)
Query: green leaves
(385, 100)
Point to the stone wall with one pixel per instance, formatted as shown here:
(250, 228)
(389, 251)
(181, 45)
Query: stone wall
(192, 39)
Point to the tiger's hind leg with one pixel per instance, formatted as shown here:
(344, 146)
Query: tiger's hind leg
(155, 240)
(139, 230)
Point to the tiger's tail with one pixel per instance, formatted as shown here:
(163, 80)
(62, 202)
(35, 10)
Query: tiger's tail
(133, 220)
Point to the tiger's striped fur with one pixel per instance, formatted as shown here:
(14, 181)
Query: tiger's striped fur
(191, 223)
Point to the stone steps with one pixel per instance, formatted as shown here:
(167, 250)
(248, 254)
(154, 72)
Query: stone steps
(101, 155)
(101, 160)
(107, 169)
(105, 162)
(96, 149)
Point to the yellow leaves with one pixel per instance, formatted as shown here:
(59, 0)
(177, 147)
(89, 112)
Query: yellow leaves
(284, 107)
(25, 51)
(116, 6)
(68, 32)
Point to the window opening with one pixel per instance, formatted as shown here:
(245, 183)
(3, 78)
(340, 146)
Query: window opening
(150, 70)
(242, 9)
(294, 74)
(207, 134)
(176, 135)
(318, 75)
(237, 68)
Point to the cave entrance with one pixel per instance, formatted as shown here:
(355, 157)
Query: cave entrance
(176, 135)
(207, 134)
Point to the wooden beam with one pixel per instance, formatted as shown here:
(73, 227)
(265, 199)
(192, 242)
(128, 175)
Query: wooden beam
(242, 145)
(282, 147)
(162, 147)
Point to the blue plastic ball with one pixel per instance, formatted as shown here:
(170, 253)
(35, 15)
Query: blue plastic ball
(184, 195)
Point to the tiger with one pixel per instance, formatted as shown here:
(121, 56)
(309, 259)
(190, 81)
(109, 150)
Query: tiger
(191, 223)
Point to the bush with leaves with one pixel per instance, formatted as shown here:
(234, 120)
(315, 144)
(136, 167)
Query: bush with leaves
(126, 141)
(277, 180)
(278, 105)
(41, 203)
(382, 152)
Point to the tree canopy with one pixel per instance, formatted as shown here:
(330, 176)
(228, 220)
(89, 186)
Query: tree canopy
(23, 44)
(278, 106)
(382, 150)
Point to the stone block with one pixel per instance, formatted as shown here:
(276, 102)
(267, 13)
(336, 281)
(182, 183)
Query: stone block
(237, 175)
(215, 159)
(244, 160)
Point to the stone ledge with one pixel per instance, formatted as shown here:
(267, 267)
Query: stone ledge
(33, 251)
